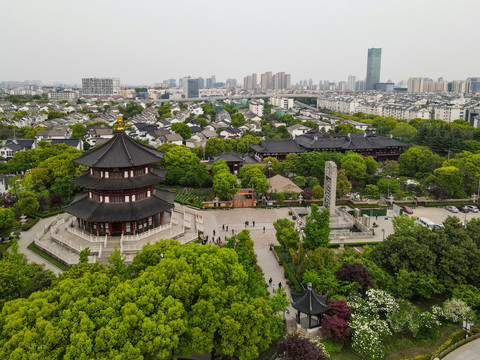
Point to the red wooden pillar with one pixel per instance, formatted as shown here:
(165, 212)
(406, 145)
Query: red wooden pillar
(109, 229)
(153, 221)
(161, 218)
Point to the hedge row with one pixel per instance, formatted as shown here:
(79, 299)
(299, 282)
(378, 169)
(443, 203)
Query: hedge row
(29, 224)
(288, 270)
(335, 245)
(454, 204)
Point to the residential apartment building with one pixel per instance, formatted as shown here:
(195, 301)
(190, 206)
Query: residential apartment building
(256, 107)
(282, 103)
(101, 86)
(266, 81)
(281, 81)
(351, 82)
(250, 82)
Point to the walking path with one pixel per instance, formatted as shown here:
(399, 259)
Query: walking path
(263, 218)
(27, 237)
(470, 351)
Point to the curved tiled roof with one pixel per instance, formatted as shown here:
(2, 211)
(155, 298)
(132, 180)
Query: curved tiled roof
(91, 210)
(96, 183)
(119, 152)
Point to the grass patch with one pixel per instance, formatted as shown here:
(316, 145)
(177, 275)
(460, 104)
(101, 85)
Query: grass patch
(48, 257)
(399, 347)
(193, 196)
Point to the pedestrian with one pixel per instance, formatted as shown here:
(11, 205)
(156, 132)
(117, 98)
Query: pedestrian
(213, 232)
(219, 240)
(253, 223)
(264, 229)
(223, 227)
(233, 231)
(248, 223)
(270, 281)
(206, 238)
(279, 285)
(245, 223)
(227, 227)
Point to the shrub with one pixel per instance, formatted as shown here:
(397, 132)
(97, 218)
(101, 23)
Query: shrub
(293, 347)
(355, 272)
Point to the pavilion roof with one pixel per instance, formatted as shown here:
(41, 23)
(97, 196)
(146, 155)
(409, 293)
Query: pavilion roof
(308, 302)
(119, 152)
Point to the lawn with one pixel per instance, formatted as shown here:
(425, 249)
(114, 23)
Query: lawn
(399, 348)
(191, 195)
(47, 257)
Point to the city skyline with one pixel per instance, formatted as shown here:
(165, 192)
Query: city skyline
(148, 43)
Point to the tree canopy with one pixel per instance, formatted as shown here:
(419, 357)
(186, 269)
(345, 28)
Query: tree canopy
(194, 300)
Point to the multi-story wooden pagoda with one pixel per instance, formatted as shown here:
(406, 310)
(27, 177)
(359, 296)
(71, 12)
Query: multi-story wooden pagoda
(121, 197)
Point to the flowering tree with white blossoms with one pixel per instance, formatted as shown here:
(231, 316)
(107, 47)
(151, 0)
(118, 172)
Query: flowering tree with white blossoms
(367, 337)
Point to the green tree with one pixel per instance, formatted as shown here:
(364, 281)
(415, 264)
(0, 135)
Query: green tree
(116, 262)
(405, 132)
(225, 185)
(318, 192)
(354, 166)
(7, 221)
(317, 228)
(179, 156)
(343, 185)
(404, 225)
(386, 186)
(183, 130)
(372, 191)
(78, 131)
(27, 203)
(214, 146)
(218, 166)
(451, 178)
(194, 300)
(255, 178)
(286, 234)
(371, 164)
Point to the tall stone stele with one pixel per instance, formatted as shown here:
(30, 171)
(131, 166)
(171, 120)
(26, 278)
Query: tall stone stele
(330, 186)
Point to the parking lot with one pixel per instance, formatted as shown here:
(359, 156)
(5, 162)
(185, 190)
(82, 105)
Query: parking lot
(438, 215)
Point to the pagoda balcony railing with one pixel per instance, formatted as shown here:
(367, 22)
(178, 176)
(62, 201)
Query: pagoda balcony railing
(72, 244)
(145, 234)
(54, 251)
(171, 233)
(85, 235)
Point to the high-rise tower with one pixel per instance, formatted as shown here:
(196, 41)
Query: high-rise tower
(374, 62)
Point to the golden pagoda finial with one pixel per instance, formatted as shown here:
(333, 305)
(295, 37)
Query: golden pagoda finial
(120, 127)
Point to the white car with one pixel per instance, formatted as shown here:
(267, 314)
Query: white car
(452, 208)
(472, 208)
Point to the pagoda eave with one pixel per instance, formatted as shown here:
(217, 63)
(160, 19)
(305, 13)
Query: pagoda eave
(90, 210)
(96, 183)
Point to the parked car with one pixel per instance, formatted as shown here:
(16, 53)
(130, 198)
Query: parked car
(463, 209)
(471, 208)
(451, 208)
(407, 209)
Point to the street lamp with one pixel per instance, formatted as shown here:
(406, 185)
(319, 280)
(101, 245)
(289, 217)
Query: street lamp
(478, 192)
(383, 231)
(467, 324)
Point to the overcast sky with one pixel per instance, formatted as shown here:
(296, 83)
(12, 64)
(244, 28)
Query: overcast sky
(148, 41)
